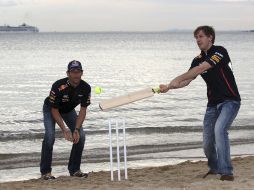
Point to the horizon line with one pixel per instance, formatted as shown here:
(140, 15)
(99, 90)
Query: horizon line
(141, 31)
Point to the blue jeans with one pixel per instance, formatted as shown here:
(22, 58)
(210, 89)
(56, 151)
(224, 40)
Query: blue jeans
(49, 139)
(217, 121)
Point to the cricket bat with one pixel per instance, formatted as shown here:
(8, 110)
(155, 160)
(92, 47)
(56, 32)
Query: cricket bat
(128, 98)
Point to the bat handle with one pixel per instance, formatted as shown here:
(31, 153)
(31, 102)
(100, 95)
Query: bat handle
(156, 90)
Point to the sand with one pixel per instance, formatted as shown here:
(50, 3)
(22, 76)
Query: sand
(187, 175)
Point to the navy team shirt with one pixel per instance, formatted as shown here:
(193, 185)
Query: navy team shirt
(65, 97)
(219, 79)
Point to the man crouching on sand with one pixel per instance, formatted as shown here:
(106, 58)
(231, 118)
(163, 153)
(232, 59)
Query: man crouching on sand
(58, 108)
(213, 64)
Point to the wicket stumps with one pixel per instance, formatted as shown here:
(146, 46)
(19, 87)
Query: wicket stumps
(111, 123)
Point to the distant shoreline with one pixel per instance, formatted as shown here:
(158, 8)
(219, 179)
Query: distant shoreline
(249, 31)
(123, 32)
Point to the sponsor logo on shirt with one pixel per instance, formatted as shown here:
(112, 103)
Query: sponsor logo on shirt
(215, 59)
(52, 96)
(199, 56)
(62, 87)
(51, 101)
(65, 98)
(217, 53)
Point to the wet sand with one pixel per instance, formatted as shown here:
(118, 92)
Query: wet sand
(187, 175)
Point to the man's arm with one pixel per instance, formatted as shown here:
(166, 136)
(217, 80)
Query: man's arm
(81, 117)
(189, 75)
(79, 122)
(185, 83)
(185, 79)
(165, 87)
(59, 120)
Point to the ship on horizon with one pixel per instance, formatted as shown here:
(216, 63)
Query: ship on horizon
(21, 28)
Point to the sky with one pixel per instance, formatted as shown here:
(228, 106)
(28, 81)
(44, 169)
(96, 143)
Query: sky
(128, 15)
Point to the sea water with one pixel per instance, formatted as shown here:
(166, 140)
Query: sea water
(164, 129)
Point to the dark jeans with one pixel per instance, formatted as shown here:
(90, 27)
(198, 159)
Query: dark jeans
(218, 120)
(49, 139)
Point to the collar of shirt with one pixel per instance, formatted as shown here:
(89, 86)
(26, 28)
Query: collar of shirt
(70, 86)
(211, 50)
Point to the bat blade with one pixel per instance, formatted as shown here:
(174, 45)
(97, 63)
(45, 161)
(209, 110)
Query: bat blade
(126, 99)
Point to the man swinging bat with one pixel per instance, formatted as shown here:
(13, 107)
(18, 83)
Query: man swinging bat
(213, 64)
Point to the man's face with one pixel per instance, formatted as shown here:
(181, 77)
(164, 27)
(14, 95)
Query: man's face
(204, 42)
(74, 76)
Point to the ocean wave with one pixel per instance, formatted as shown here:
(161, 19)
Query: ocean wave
(38, 133)
(98, 155)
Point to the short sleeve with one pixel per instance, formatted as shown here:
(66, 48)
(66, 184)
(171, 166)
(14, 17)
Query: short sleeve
(54, 96)
(219, 57)
(194, 63)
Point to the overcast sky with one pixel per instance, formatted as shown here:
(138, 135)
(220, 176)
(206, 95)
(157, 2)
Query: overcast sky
(128, 15)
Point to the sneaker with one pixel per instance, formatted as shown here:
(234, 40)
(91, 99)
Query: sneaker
(227, 178)
(209, 173)
(79, 174)
(47, 176)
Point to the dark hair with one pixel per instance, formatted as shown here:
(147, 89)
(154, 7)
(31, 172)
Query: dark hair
(208, 31)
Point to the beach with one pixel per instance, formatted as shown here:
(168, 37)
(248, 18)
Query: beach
(187, 175)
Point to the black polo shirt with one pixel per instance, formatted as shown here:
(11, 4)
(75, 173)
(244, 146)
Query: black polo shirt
(65, 97)
(219, 79)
